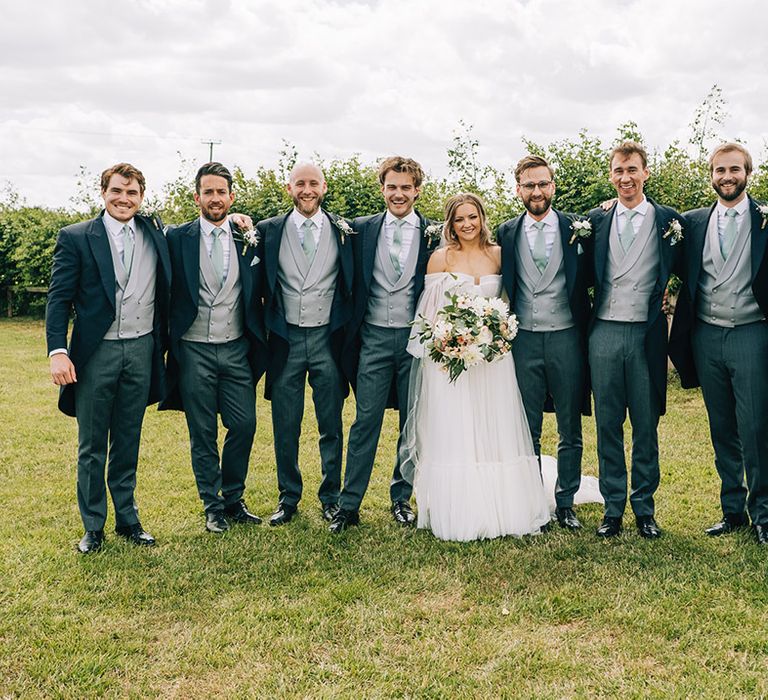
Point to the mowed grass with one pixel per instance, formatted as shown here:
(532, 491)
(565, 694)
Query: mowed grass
(378, 612)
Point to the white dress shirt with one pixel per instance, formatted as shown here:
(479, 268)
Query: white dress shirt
(551, 227)
(410, 228)
(206, 229)
(316, 218)
(741, 210)
(637, 221)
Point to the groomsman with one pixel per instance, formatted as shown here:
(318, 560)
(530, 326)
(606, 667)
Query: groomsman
(217, 346)
(635, 248)
(545, 276)
(307, 292)
(720, 336)
(391, 252)
(114, 271)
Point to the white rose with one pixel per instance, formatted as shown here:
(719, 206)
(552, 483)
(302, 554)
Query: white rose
(485, 336)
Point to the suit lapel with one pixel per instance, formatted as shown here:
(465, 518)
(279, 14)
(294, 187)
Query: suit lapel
(697, 239)
(244, 263)
(665, 244)
(158, 239)
(190, 259)
(272, 239)
(602, 236)
(757, 237)
(570, 252)
(99, 245)
(370, 235)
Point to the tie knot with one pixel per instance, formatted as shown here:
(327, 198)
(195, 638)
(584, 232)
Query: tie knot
(731, 213)
(217, 231)
(308, 224)
(399, 223)
(539, 225)
(127, 231)
(630, 214)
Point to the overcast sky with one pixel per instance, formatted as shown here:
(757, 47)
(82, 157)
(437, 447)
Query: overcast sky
(93, 82)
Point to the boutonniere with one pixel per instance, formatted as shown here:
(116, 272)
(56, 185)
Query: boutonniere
(153, 217)
(433, 232)
(674, 232)
(249, 237)
(763, 209)
(582, 228)
(344, 228)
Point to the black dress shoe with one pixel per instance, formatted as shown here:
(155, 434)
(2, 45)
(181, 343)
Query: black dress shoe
(647, 527)
(329, 511)
(282, 515)
(135, 534)
(403, 513)
(761, 533)
(610, 527)
(239, 513)
(91, 542)
(344, 519)
(567, 518)
(216, 522)
(729, 523)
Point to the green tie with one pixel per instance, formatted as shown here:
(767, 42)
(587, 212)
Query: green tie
(397, 246)
(127, 248)
(627, 234)
(308, 243)
(540, 246)
(729, 233)
(217, 253)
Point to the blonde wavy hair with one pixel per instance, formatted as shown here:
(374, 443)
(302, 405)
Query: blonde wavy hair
(453, 203)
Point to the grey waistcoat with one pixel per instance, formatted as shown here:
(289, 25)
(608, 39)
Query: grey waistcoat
(725, 295)
(630, 279)
(308, 290)
(390, 301)
(541, 299)
(220, 307)
(134, 295)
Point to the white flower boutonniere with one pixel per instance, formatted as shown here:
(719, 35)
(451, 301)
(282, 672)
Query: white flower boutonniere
(344, 228)
(249, 237)
(433, 233)
(763, 209)
(674, 232)
(582, 228)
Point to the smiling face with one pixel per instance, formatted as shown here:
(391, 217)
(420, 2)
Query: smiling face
(729, 177)
(307, 188)
(536, 189)
(400, 193)
(628, 176)
(214, 198)
(122, 197)
(466, 223)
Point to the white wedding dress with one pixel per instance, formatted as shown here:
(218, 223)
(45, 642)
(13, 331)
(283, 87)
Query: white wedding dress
(467, 447)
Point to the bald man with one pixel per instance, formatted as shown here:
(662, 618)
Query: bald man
(307, 295)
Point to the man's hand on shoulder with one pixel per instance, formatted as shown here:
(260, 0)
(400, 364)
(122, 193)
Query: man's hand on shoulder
(62, 369)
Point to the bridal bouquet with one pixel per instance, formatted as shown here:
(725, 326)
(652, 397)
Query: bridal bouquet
(468, 330)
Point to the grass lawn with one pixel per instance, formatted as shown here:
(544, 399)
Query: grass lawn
(377, 612)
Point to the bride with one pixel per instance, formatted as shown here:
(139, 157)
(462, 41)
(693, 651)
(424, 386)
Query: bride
(467, 447)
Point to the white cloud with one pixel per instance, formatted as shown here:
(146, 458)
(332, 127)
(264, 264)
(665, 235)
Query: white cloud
(89, 83)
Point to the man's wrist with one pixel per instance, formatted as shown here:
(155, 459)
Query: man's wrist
(58, 351)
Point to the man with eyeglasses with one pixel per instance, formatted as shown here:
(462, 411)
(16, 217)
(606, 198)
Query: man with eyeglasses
(545, 277)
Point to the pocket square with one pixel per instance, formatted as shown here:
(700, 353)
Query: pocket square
(256, 260)
(579, 249)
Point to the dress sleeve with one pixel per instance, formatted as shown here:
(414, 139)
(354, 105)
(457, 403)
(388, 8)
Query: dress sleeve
(432, 299)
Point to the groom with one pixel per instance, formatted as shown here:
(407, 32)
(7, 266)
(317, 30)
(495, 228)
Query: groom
(635, 247)
(115, 272)
(545, 277)
(391, 252)
(720, 336)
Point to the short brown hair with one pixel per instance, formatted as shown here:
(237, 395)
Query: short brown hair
(399, 164)
(729, 148)
(452, 205)
(627, 149)
(125, 170)
(213, 168)
(532, 162)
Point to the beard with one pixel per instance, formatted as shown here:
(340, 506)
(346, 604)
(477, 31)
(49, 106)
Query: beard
(215, 216)
(538, 207)
(739, 187)
(307, 207)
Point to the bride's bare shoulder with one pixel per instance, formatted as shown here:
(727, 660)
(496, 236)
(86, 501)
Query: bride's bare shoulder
(438, 261)
(494, 251)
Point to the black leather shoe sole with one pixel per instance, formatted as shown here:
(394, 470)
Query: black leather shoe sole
(344, 520)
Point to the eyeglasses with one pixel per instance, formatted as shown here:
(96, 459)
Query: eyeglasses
(531, 186)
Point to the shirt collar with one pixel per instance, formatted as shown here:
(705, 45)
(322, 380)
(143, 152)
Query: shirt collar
(412, 218)
(641, 208)
(549, 220)
(207, 227)
(114, 226)
(740, 208)
(299, 218)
